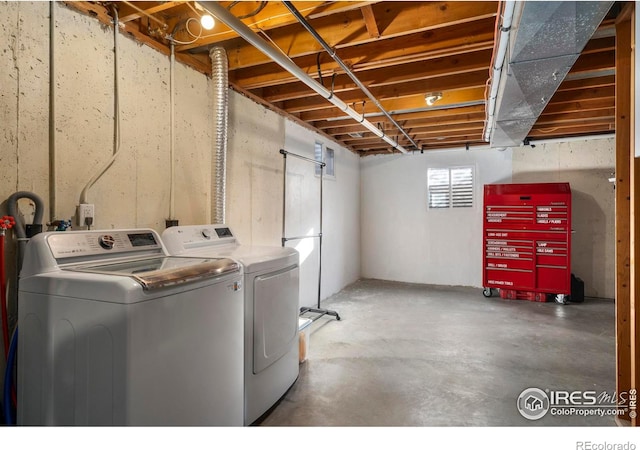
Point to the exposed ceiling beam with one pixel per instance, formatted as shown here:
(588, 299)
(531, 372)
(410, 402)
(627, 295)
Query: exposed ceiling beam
(398, 18)
(413, 124)
(439, 68)
(370, 21)
(275, 15)
(396, 105)
(445, 84)
(129, 11)
(423, 115)
(560, 130)
(449, 41)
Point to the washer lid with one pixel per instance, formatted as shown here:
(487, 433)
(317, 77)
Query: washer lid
(255, 258)
(159, 272)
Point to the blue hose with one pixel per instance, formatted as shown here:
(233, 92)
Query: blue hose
(8, 379)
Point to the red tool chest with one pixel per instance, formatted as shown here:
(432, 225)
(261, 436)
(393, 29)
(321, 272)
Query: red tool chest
(527, 240)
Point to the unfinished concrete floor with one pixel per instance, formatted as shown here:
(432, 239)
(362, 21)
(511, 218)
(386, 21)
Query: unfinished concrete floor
(415, 355)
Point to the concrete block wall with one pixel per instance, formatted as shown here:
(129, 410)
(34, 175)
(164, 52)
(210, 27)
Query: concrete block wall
(134, 191)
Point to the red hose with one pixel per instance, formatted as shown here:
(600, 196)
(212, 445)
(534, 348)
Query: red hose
(3, 298)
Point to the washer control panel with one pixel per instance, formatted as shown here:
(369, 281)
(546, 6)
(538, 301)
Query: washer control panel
(87, 243)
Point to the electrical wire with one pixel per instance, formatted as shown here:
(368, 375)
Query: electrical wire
(116, 113)
(252, 13)
(186, 27)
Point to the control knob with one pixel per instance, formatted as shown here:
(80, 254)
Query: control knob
(106, 241)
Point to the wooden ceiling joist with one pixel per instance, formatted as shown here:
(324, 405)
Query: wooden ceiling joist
(400, 50)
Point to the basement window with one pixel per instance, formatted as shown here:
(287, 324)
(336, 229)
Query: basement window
(328, 157)
(329, 169)
(450, 187)
(318, 156)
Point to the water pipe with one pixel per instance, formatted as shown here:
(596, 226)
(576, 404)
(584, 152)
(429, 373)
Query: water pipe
(6, 223)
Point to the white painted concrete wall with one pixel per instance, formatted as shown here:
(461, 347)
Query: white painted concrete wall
(254, 172)
(341, 214)
(402, 239)
(586, 165)
(255, 194)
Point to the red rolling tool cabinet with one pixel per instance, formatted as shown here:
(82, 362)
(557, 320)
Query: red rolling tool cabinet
(527, 240)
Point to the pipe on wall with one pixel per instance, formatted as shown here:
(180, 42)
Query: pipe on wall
(84, 195)
(498, 64)
(286, 63)
(52, 113)
(220, 76)
(172, 139)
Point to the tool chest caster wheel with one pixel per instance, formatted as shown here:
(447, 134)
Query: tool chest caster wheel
(562, 299)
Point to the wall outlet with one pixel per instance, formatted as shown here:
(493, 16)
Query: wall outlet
(85, 214)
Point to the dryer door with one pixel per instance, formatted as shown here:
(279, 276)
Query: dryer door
(275, 309)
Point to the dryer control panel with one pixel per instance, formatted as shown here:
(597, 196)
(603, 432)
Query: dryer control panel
(183, 238)
(88, 243)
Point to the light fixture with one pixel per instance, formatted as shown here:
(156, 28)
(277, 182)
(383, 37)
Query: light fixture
(432, 97)
(207, 22)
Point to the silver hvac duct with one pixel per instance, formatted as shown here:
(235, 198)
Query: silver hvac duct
(546, 39)
(286, 63)
(220, 77)
(346, 69)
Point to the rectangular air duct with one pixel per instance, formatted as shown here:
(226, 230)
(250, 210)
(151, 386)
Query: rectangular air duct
(546, 39)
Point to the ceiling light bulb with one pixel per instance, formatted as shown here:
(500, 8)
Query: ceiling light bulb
(432, 98)
(207, 22)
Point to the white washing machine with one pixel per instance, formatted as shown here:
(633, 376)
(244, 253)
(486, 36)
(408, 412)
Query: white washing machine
(271, 292)
(113, 331)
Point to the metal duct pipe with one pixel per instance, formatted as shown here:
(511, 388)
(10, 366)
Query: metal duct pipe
(286, 63)
(545, 40)
(220, 76)
(346, 69)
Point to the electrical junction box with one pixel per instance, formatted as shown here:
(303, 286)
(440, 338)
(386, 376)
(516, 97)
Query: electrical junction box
(527, 238)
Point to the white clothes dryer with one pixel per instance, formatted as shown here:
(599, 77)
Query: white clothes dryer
(271, 292)
(113, 331)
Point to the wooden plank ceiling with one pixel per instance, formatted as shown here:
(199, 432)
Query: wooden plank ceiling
(400, 50)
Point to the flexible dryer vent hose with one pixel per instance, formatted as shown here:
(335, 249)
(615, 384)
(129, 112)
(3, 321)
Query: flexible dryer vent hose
(220, 76)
